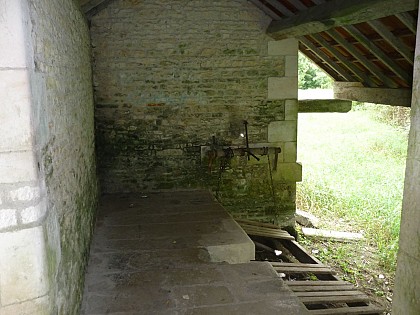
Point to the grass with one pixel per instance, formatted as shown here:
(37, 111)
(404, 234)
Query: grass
(354, 165)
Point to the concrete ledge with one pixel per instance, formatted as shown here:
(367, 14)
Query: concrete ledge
(324, 106)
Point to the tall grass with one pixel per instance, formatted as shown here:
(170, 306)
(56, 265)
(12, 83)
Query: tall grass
(354, 167)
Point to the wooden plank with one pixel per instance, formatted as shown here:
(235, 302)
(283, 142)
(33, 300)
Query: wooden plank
(408, 21)
(326, 59)
(336, 13)
(298, 5)
(280, 7)
(349, 65)
(382, 56)
(362, 59)
(330, 293)
(300, 254)
(256, 223)
(296, 270)
(395, 42)
(265, 9)
(333, 299)
(284, 264)
(261, 228)
(329, 288)
(267, 234)
(369, 309)
(316, 283)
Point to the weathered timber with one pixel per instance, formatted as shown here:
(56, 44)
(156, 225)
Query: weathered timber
(265, 9)
(373, 68)
(335, 235)
(348, 64)
(330, 293)
(326, 59)
(333, 299)
(327, 288)
(355, 91)
(336, 13)
(398, 44)
(375, 50)
(408, 21)
(307, 283)
(369, 309)
(280, 7)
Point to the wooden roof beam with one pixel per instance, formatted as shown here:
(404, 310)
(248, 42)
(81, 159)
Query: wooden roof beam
(374, 69)
(265, 9)
(408, 21)
(348, 64)
(395, 42)
(375, 50)
(336, 13)
(324, 57)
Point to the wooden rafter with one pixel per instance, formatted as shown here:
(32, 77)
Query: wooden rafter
(326, 59)
(340, 57)
(298, 5)
(398, 45)
(280, 7)
(265, 9)
(366, 42)
(408, 21)
(336, 13)
(373, 68)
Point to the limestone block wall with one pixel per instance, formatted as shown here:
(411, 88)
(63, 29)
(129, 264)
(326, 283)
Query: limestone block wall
(47, 165)
(173, 78)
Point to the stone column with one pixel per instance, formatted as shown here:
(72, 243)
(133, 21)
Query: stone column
(23, 269)
(407, 283)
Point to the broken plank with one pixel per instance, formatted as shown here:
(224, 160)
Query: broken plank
(369, 309)
(335, 235)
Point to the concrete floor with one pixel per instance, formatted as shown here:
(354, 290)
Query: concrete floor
(177, 253)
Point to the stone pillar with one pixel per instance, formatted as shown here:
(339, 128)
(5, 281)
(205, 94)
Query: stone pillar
(286, 88)
(407, 284)
(23, 268)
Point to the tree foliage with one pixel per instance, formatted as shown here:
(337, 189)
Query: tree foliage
(311, 76)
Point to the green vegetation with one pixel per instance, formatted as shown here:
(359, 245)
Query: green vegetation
(354, 167)
(310, 76)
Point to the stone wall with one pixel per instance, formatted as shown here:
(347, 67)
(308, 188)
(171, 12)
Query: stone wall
(48, 187)
(173, 78)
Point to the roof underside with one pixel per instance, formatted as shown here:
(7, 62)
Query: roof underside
(376, 53)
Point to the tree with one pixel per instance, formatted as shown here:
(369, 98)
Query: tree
(310, 76)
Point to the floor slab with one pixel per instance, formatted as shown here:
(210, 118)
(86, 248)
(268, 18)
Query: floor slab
(177, 253)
